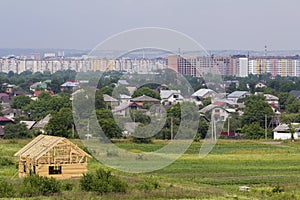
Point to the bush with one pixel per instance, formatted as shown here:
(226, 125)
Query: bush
(13, 131)
(102, 181)
(149, 184)
(142, 140)
(277, 189)
(67, 186)
(7, 190)
(253, 131)
(35, 185)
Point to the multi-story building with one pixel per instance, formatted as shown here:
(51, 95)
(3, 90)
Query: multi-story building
(18, 65)
(283, 66)
(239, 65)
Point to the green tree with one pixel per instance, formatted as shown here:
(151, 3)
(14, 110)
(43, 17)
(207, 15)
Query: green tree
(253, 131)
(58, 102)
(256, 110)
(108, 124)
(146, 91)
(139, 116)
(234, 123)
(18, 130)
(55, 84)
(61, 124)
(292, 105)
(107, 90)
(203, 127)
(283, 97)
(44, 96)
(121, 89)
(99, 100)
(20, 101)
(37, 109)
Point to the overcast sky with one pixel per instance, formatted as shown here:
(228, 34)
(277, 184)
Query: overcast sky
(216, 24)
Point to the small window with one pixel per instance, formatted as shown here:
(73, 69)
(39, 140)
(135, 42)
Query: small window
(54, 170)
(24, 170)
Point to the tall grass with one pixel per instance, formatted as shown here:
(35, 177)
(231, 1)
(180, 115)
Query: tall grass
(232, 163)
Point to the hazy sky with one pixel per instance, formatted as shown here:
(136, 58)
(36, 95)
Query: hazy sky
(216, 24)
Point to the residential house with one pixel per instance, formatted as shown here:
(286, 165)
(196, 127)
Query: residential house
(38, 92)
(237, 95)
(29, 124)
(40, 125)
(144, 99)
(170, 97)
(69, 86)
(110, 100)
(260, 85)
(273, 101)
(9, 88)
(220, 111)
(123, 82)
(11, 113)
(18, 93)
(4, 98)
(51, 156)
(123, 109)
(228, 83)
(38, 86)
(131, 89)
(202, 94)
(125, 98)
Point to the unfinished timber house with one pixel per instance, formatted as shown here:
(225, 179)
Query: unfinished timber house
(52, 156)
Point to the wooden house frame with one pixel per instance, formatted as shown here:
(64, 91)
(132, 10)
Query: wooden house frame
(52, 156)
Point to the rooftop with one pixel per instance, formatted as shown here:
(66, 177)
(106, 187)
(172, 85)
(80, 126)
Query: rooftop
(144, 98)
(237, 94)
(165, 94)
(203, 92)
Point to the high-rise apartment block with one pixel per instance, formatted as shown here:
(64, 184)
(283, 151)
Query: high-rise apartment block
(239, 65)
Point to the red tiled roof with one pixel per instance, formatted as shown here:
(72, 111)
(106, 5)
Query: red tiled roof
(38, 92)
(219, 103)
(3, 95)
(5, 119)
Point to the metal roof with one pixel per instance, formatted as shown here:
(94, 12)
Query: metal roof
(203, 92)
(165, 94)
(108, 98)
(237, 94)
(43, 122)
(144, 98)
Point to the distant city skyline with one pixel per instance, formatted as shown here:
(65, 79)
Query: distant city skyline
(216, 24)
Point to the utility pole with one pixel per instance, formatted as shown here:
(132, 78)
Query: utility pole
(228, 126)
(171, 128)
(266, 127)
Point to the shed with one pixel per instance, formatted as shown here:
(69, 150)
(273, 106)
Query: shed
(282, 131)
(52, 156)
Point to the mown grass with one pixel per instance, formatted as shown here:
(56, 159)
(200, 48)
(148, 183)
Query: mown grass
(232, 163)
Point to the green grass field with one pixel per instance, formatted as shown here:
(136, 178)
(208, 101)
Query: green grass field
(271, 170)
